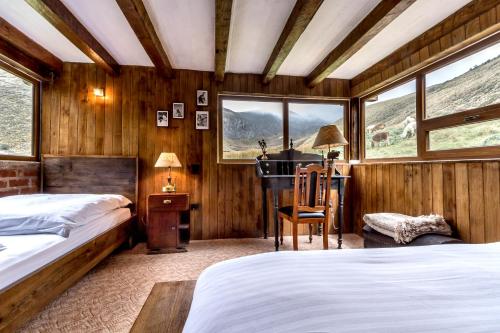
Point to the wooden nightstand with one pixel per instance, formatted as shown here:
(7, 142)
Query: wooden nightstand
(168, 222)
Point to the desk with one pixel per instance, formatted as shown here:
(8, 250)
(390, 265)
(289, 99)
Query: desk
(279, 183)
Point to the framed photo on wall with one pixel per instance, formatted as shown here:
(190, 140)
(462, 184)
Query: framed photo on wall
(162, 118)
(202, 120)
(178, 110)
(201, 97)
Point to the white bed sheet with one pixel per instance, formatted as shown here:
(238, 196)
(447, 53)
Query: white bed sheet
(27, 253)
(443, 288)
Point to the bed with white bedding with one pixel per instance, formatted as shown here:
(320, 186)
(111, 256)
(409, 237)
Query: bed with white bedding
(25, 254)
(53, 239)
(443, 288)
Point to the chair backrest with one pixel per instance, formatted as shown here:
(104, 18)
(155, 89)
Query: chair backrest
(312, 188)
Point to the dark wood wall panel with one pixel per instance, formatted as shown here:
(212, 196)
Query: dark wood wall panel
(74, 121)
(465, 193)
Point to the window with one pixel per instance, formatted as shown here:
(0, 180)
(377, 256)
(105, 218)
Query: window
(390, 123)
(450, 109)
(469, 83)
(246, 120)
(483, 134)
(306, 118)
(17, 117)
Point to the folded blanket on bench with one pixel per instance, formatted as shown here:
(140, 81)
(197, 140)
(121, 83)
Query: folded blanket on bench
(404, 228)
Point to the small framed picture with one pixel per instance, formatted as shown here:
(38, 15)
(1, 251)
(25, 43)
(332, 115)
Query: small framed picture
(178, 110)
(162, 118)
(202, 97)
(202, 120)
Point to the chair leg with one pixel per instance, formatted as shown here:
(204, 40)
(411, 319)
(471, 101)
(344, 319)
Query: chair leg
(281, 231)
(325, 235)
(295, 232)
(310, 233)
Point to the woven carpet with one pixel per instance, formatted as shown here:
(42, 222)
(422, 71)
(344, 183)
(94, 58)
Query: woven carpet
(109, 298)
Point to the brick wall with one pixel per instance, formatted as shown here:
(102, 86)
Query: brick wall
(18, 177)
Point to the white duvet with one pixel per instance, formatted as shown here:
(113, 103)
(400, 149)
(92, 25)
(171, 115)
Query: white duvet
(443, 288)
(53, 213)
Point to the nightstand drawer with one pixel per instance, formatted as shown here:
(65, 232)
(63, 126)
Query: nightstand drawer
(168, 202)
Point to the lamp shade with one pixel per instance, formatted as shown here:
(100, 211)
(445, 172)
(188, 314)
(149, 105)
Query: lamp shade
(167, 160)
(329, 136)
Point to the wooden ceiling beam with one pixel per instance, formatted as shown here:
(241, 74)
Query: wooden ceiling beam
(24, 44)
(63, 20)
(379, 18)
(470, 11)
(22, 62)
(222, 26)
(301, 15)
(139, 20)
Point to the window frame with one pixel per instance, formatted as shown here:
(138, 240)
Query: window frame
(363, 125)
(35, 135)
(285, 100)
(424, 126)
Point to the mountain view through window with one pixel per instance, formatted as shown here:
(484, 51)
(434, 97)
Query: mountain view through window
(245, 122)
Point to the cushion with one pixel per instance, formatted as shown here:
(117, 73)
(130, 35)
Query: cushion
(404, 228)
(288, 210)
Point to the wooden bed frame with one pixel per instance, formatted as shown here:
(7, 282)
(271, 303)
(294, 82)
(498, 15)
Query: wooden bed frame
(71, 174)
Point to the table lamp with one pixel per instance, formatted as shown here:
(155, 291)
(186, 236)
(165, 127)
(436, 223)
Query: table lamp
(168, 160)
(330, 136)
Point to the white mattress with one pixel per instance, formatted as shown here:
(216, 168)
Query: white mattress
(27, 253)
(444, 288)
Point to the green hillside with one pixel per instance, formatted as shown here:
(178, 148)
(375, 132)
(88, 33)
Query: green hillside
(477, 87)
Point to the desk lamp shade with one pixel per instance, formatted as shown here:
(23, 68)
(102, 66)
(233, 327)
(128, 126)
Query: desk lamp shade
(329, 136)
(168, 160)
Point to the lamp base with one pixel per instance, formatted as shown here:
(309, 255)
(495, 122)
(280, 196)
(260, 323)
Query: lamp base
(170, 187)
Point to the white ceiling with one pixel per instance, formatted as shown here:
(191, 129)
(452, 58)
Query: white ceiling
(418, 18)
(256, 26)
(186, 29)
(106, 22)
(24, 18)
(331, 24)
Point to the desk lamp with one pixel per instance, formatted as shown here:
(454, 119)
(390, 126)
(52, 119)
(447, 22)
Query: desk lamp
(168, 160)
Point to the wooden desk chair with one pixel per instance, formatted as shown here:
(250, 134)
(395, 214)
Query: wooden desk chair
(311, 201)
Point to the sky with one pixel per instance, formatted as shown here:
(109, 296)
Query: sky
(445, 73)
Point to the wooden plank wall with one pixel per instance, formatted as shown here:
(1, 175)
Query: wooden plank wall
(465, 193)
(74, 121)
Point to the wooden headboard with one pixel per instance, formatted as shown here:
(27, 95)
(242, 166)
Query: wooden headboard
(90, 174)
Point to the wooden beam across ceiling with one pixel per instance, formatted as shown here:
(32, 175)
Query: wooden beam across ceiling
(379, 18)
(475, 11)
(63, 20)
(222, 26)
(301, 15)
(22, 62)
(139, 20)
(48, 61)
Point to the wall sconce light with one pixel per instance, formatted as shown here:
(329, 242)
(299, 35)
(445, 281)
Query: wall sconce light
(99, 92)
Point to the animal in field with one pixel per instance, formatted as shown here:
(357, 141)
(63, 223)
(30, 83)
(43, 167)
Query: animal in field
(374, 128)
(408, 120)
(380, 137)
(410, 127)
